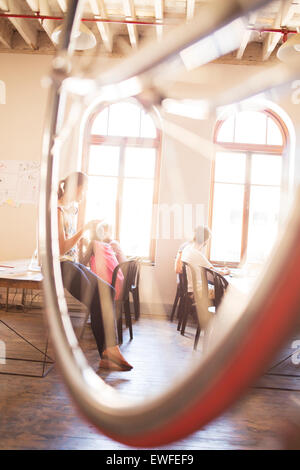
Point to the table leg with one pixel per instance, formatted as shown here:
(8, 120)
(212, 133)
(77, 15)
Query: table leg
(7, 293)
(23, 298)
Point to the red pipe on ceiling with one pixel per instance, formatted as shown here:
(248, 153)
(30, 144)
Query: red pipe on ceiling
(100, 20)
(273, 30)
(37, 16)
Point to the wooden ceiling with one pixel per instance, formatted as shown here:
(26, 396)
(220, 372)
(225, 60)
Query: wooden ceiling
(116, 37)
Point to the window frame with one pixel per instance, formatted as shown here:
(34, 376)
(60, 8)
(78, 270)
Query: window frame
(249, 150)
(123, 142)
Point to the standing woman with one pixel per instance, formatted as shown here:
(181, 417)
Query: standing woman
(84, 285)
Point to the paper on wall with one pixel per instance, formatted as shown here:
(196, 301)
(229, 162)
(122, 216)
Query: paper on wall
(19, 182)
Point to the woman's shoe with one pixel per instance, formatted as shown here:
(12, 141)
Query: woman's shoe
(110, 363)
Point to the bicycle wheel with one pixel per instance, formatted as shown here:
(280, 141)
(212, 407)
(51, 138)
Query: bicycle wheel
(231, 362)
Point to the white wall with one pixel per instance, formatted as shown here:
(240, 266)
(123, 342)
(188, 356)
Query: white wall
(184, 180)
(21, 127)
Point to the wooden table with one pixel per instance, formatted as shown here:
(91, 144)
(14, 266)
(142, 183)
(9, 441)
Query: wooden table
(19, 274)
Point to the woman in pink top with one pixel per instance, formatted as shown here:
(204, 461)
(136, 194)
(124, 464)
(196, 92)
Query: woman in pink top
(103, 254)
(104, 234)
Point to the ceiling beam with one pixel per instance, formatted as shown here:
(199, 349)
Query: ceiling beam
(159, 15)
(6, 33)
(63, 5)
(283, 16)
(24, 27)
(48, 25)
(252, 56)
(246, 36)
(42, 7)
(33, 4)
(4, 5)
(288, 10)
(99, 10)
(129, 10)
(190, 9)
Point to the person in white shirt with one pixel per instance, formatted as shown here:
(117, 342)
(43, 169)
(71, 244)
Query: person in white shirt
(193, 254)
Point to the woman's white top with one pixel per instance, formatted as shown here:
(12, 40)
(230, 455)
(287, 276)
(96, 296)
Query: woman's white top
(191, 254)
(69, 213)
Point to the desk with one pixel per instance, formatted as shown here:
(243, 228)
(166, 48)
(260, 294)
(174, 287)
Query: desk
(241, 280)
(17, 274)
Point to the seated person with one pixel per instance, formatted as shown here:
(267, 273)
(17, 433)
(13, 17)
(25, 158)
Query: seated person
(102, 258)
(178, 260)
(80, 282)
(192, 254)
(104, 234)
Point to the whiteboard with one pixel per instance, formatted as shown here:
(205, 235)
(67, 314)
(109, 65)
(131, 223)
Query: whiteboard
(19, 182)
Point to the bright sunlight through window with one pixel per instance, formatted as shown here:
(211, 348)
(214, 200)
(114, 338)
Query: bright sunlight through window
(246, 189)
(122, 165)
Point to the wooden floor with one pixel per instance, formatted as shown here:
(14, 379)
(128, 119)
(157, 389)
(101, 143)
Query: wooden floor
(37, 413)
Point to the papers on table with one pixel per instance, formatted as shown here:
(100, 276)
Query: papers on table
(24, 270)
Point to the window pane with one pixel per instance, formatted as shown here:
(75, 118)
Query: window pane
(101, 198)
(124, 120)
(274, 136)
(148, 128)
(104, 160)
(263, 222)
(251, 127)
(266, 169)
(136, 217)
(139, 162)
(230, 167)
(226, 132)
(227, 222)
(100, 123)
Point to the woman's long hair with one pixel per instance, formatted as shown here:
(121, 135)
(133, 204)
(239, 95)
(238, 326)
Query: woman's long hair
(71, 183)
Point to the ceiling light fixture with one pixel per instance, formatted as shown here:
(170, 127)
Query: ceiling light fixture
(84, 38)
(289, 51)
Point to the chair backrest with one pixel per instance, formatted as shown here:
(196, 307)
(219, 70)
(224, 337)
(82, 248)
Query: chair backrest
(129, 269)
(183, 282)
(220, 285)
(136, 272)
(183, 279)
(200, 296)
(103, 263)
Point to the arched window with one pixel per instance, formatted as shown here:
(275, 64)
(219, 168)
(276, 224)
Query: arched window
(247, 179)
(122, 162)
